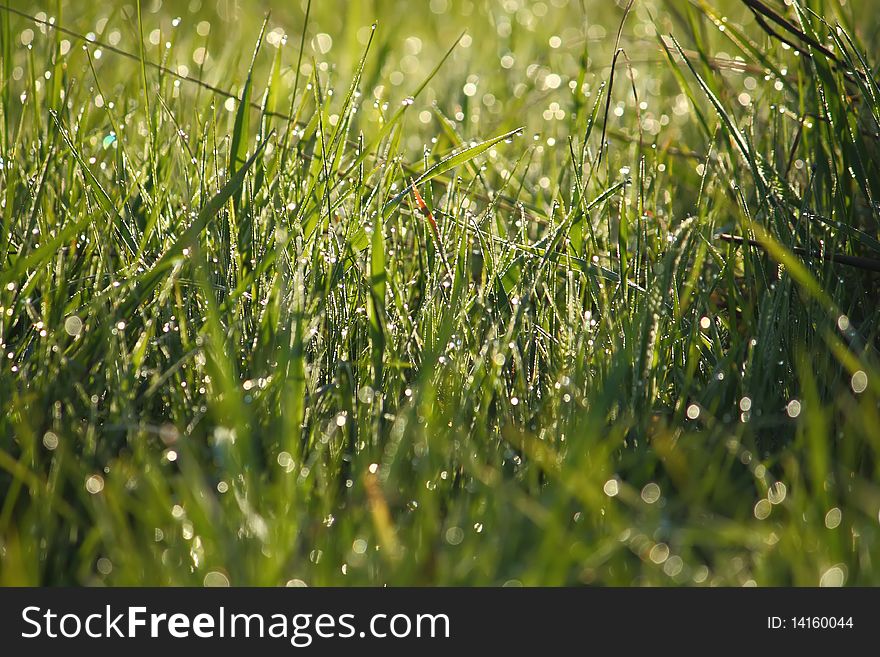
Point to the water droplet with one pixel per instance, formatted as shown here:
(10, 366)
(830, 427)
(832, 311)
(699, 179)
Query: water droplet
(859, 382)
(762, 509)
(454, 535)
(777, 492)
(833, 518)
(216, 579)
(95, 484)
(833, 577)
(50, 440)
(73, 326)
(650, 493)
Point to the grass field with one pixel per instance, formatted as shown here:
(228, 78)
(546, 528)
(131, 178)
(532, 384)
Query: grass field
(492, 293)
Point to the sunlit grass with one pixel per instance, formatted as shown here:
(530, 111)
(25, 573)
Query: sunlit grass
(529, 303)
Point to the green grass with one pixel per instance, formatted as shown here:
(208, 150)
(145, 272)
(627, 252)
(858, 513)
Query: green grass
(235, 349)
